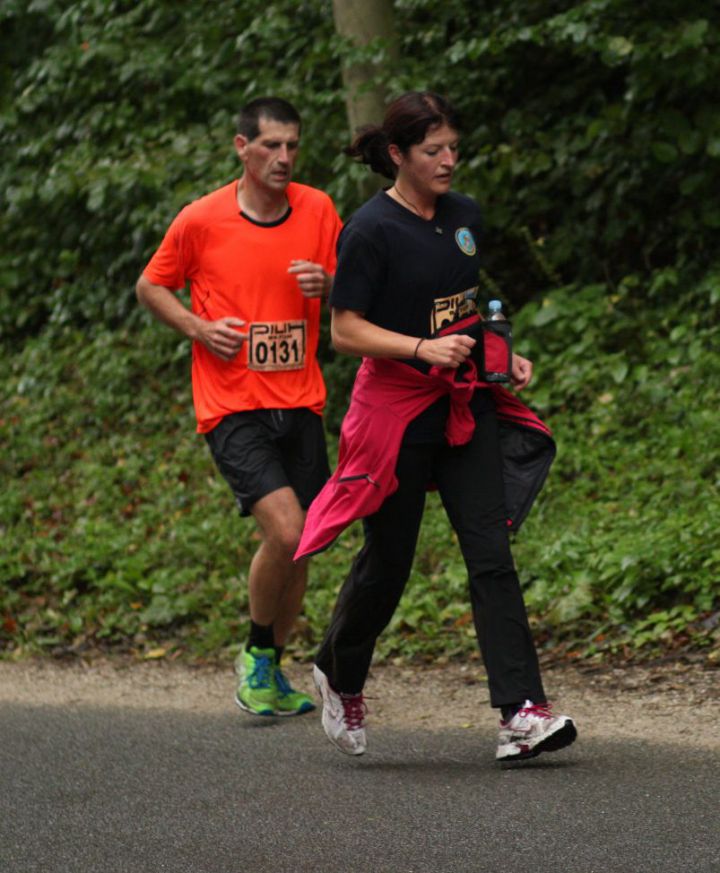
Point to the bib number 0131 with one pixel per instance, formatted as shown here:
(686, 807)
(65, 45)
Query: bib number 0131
(277, 345)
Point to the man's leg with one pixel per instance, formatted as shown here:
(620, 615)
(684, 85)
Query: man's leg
(276, 588)
(275, 463)
(276, 583)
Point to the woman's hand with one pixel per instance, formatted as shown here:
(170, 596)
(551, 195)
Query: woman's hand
(353, 334)
(521, 374)
(446, 351)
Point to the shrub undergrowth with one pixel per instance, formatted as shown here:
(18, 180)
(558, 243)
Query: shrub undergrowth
(119, 533)
(591, 140)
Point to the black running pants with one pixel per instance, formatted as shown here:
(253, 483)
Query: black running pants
(469, 480)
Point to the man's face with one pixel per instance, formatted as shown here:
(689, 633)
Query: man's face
(268, 160)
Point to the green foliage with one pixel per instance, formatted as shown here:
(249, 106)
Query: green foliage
(593, 127)
(113, 514)
(629, 382)
(117, 114)
(118, 531)
(592, 132)
(592, 140)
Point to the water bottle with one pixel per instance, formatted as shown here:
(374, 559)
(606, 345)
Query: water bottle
(495, 312)
(497, 342)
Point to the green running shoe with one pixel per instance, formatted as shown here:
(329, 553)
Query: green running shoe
(257, 691)
(289, 701)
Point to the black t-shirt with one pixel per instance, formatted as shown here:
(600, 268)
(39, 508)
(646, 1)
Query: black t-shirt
(413, 276)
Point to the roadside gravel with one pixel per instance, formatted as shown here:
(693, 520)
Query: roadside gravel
(649, 702)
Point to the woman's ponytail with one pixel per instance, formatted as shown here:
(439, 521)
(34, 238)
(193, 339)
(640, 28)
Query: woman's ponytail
(407, 122)
(370, 146)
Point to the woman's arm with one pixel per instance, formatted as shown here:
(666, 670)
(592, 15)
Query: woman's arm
(522, 370)
(353, 334)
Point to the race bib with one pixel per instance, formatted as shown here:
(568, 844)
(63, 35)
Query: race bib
(447, 310)
(277, 345)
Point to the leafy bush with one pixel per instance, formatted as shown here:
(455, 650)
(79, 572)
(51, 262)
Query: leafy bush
(592, 141)
(119, 531)
(115, 115)
(592, 132)
(626, 523)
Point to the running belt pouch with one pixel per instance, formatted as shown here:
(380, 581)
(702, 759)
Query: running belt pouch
(492, 352)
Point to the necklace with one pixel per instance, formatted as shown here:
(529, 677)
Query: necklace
(403, 197)
(400, 194)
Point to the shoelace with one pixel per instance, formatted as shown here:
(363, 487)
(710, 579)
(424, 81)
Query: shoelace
(261, 673)
(354, 709)
(282, 682)
(541, 710)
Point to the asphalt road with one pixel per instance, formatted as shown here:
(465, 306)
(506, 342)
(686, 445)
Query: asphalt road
(91, 790)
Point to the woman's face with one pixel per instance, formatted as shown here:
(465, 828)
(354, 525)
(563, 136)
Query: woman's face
(428, 166)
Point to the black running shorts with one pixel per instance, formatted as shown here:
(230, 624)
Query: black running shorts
(260, 451)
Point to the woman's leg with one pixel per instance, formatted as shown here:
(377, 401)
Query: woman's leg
(471, 486)
(373, 588)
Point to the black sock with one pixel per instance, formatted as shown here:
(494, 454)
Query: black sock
(278, 653)
(509, 711)
(261, 636)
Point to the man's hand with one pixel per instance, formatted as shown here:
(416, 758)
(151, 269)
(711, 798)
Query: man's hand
(521, 374)
(312, 278)
(222, 337)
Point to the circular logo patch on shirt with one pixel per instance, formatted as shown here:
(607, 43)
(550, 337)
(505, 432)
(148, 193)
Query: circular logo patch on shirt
(465, 240)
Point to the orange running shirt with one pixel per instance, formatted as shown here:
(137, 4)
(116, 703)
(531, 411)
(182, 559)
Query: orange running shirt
(239, 268)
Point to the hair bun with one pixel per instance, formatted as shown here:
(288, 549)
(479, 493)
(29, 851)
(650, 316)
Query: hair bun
(370, 146)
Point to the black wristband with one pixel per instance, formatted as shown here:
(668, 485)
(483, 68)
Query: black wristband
(418, 346)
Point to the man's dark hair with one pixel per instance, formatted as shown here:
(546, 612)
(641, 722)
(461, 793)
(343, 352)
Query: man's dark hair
(270, 108)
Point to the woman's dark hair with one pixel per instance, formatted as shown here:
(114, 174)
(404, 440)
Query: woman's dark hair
(407, 122)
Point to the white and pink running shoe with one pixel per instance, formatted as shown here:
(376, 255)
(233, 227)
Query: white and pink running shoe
(343, 716)
(532, 730)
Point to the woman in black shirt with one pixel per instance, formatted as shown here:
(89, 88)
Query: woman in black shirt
(407, 272)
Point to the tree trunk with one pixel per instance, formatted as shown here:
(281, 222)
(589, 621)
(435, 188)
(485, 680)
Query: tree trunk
(362, 22)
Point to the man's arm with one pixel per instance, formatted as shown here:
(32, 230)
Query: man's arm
(221, 337)
(312, 278)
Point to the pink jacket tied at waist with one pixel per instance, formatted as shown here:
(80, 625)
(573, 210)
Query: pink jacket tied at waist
(386, 397)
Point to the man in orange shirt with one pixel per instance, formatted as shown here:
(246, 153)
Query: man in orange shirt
(259, 254)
